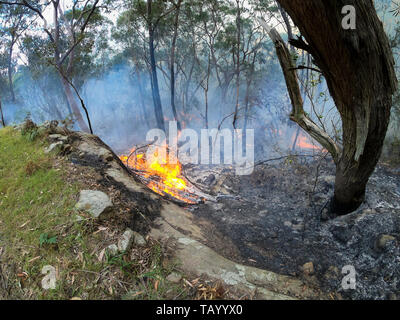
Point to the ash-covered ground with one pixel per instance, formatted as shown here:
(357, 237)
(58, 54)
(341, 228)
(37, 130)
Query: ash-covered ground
(274, 219)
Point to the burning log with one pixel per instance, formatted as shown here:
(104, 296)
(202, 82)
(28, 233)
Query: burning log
(162, 176)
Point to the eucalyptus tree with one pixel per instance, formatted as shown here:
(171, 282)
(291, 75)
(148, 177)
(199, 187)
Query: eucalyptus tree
(68, 32)
(358, 66)
(15, 21)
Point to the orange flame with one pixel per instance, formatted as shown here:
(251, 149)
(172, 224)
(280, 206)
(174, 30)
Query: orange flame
(166, 178)
(304, 143)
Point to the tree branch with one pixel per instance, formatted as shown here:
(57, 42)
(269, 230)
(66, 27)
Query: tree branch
(298, 115)
(26, 4)
(304, 67)
(79, 39)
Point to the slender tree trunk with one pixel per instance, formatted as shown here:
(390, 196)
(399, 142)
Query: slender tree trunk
(3, 122)
(71, 98)
(359, 69)
(238, 25)
(141, 97)
(248, 87)
(207, 86)
(155, 87)
(10, 71)
(288, 25)
(246, 104)
(173, 49)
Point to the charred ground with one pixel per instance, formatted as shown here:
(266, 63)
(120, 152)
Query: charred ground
(275, 219)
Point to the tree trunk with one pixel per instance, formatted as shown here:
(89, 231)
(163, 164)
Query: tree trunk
(359, 69)
(141, 98)
(206, 89)
(155, 87)
(238, 25)
(173, 49)
(74, 105)
(2, 116)
(288, 26)
(10, 72)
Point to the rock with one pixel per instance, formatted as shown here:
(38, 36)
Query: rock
(383, 241)
(112, 250)
(46, 124)
(49, 281)
(96, 203)
(308, 268)
(52, 147)
(97, 151)
(58, 137)
(126, 240)
(139, 240)
(174, 277)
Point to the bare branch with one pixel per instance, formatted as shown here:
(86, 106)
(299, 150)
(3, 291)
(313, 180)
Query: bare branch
(78, 40)
(298, 115)
(304, 67)
(26, 4)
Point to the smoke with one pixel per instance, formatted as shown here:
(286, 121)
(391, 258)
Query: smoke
(38, 98)
(120, 106)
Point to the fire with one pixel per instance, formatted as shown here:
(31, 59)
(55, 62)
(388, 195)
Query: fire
(303, 143)
(158, 174)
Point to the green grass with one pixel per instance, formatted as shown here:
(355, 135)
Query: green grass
(38, 227)
(36, 205)
(38, 200)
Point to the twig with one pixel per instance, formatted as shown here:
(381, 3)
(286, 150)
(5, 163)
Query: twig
(285, 157)
(304, 67)
(79, 96)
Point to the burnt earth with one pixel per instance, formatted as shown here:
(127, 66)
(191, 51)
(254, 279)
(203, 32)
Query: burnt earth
(275, 220)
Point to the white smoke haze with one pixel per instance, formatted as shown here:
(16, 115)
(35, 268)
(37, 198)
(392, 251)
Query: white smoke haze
(120, 104)
(118, 107)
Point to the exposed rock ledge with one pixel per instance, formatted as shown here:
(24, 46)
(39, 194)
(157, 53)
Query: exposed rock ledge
(175, 224)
